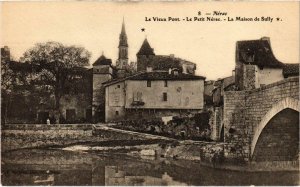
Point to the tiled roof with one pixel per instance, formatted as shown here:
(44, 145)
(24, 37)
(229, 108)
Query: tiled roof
(165, 76)
(257, 52)
(146, 49)
(157, 75)
(164, 63)
(290, 70)
(102, 60)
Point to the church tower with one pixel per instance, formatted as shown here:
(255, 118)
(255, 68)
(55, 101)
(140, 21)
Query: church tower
(122, 61)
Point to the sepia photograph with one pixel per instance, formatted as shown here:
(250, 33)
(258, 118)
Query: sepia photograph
(150, 93)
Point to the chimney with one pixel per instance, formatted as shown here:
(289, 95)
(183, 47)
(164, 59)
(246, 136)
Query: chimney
(149, 69)
(266, 39)
(172, 56)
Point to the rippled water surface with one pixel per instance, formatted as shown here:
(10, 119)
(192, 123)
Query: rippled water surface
(58, 167)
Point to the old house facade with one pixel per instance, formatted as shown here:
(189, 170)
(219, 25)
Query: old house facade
(153, 94)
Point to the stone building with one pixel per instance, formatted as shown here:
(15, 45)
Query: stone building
(217, 108)
(256, 64)
(153, 94)
(258, 117)
(147, 58)
(102, 72)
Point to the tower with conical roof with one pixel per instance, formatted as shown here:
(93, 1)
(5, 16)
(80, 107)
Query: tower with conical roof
(144, 56)
(122, 61)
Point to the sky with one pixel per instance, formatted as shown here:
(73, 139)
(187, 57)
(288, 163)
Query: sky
(96, 26)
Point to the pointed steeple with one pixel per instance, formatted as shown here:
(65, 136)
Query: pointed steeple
(123, 36)
(146, 49)
(123, 28)
(123, 48)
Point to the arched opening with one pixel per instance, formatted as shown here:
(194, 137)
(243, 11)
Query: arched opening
(279, 139)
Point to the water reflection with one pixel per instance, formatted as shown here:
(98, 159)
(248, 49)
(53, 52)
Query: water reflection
(115, 176)
(57, 167)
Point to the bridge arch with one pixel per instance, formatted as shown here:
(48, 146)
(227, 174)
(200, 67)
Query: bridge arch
(287, 103)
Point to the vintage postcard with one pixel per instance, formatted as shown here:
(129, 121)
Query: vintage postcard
(149, 93)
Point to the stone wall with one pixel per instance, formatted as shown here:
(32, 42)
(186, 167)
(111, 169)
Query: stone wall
(244, 111)
(18, 136)
(216, 123)
(234, 123)
(249, 77)
(150, 114)
(26, 136)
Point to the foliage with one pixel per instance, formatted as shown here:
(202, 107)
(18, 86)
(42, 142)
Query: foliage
(53, 66)
(189, 127)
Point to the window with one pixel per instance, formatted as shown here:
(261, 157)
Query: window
(148, 83)
(118, 86)
(117, 113)
(137, 96)
(165, 96)
(166, 83)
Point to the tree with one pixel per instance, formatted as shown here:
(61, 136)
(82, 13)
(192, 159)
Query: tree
(53, 63)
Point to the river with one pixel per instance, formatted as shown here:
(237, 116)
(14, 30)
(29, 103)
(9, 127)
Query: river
(61, 167)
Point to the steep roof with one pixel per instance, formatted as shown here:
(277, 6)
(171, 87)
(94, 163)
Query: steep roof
(257, 52)
(290, 70)
(146, 49)
(102, 60)
(157, 75)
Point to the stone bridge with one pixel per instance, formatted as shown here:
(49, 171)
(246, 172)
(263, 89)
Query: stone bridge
(263, 124)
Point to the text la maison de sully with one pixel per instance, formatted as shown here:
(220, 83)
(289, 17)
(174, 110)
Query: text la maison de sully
(214, 16)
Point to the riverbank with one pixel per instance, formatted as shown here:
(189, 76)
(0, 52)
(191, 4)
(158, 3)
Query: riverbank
(105, 139)
(42, 136)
